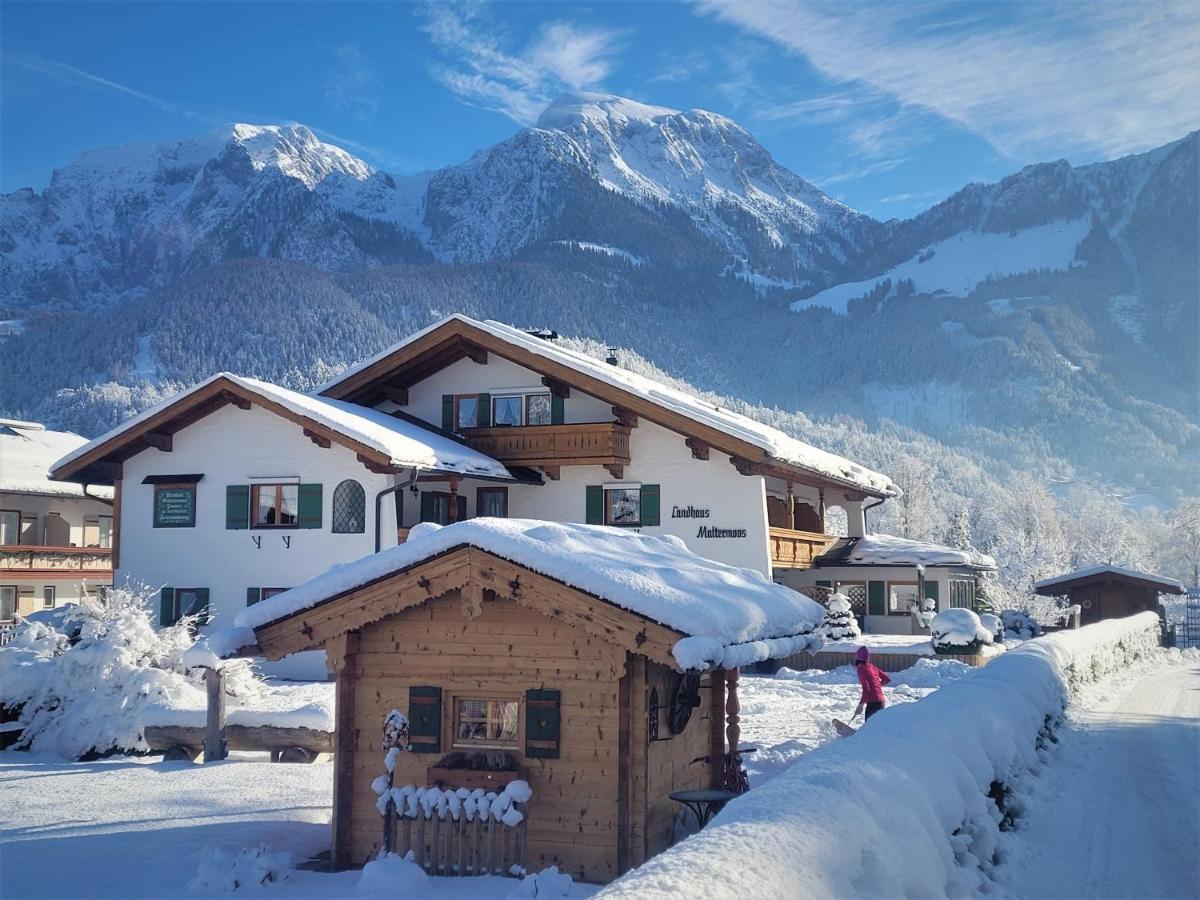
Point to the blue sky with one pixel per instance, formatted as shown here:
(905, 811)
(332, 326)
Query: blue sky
(889, 107)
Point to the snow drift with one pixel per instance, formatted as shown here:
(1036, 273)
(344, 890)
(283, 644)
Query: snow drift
(910, 807)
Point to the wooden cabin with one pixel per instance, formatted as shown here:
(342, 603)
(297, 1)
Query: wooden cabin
(477, 634)
(1109, 592)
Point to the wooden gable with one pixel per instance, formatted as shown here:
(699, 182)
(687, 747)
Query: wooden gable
(478, 576)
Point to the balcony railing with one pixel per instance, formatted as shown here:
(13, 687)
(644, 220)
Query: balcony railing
(582, 444)
(18, 558)
(796, 549)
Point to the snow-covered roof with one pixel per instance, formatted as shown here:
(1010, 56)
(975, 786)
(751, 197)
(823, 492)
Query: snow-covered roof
(777, 445)
(889, 550)
(729, 616)
(27, 451)
(406, 444)
(1172, 584)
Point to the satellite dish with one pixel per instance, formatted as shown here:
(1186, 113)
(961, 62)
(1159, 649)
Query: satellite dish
(684, 698)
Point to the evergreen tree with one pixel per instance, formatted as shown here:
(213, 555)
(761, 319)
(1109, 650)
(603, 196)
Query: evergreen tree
(839, 623)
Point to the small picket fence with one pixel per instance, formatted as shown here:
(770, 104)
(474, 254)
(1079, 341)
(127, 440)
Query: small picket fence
(443, 844)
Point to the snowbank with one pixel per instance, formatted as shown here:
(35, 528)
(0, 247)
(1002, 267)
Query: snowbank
(903, 808)
(28, 449)
(732, 617)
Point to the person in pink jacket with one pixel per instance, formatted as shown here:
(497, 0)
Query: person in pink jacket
(872, 680)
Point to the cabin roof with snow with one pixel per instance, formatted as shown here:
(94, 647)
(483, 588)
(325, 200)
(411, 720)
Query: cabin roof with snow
(753, 445)
(28, 450)
(672, 606)
(382, 442)
(889, 550)
(1063, 584)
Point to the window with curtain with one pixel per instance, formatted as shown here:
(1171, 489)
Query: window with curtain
(274, 505)
(506, 410)
(492, 501)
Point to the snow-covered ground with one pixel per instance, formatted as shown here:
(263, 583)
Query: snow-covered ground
(790, 713)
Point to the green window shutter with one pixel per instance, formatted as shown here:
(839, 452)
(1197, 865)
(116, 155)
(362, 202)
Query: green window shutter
(558, 410)
(595, 505)
(483, 418)
(253, 595)
(462, 508)
(543, 718)
(824, 582)
(166, 607)
(931, 591)
(428, 510)
(447, 412)
(310, 506)
(651, 504)
(200, 609)
(876, 598)
(425, 719)
(237, 506)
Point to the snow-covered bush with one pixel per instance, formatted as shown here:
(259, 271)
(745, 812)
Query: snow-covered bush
(993, 624)
(546, 883)
(86, 697)
(1020, 624)
(226, 871)
(393, 875)
(839, 622)
(958, 631)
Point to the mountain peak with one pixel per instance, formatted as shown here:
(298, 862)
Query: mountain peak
(571, 109)
(295, 151)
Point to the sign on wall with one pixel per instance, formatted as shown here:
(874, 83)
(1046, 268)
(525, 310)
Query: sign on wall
(174, 506)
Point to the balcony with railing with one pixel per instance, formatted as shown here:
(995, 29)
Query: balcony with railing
(579, 444)
(791, 549)
(29, 559)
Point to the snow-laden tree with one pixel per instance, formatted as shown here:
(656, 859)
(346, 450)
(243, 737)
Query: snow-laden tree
(839, 622)
(1182, 541)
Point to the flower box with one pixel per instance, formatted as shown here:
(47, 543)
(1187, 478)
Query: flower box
(487, 779)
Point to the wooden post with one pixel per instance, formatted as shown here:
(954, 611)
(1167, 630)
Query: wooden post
(340, 652)
(453, 512)
(733, 730)
(821, 508)
(791, 507)
(716, 749)
(215, 747)
(116, 524)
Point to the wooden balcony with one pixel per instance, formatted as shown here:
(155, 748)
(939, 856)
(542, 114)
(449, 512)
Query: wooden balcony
(582, 444)
(27, 559)
(796, 549)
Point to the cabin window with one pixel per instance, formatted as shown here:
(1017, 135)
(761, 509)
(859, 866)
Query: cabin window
(623, 507)
(506, 410)
(492, 501)
(10, 526)
(274, 505)
(538, 409)
(48, 593)
(485, 723)
(902, 595)
(466, 411)
(349, 508)
(8, 602)
(962, 593)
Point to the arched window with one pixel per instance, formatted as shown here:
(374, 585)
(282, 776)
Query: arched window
(349, 508)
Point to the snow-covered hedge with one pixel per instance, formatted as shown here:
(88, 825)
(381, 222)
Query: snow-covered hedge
(958, 631)
(909, 807)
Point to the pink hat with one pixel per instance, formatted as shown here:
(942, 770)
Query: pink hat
(862, 654)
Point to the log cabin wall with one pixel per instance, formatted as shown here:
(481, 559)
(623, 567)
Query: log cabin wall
(501, 653)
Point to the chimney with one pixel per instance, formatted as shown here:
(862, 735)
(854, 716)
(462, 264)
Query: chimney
(612, 357)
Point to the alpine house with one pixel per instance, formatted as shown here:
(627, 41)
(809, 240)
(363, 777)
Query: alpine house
(236, 489)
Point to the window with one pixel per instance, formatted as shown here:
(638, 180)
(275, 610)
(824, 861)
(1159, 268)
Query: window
(485, 723)
(435, 507)
(506, 410)
(256, 594)
(349, 508)
(466, 411)
(623, 506)
(106, 531)
(538, 409)
(901, 595)
(492, 501)
(191, 602)
(274, 505)
(48, 597)
(962, 593)
(10, 526)
(8, 602)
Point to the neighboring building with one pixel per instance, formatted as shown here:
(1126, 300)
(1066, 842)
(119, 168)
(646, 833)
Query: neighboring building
(596, 665)
(236, 488)
(885, 577)
(1109, 592)
(54, 536)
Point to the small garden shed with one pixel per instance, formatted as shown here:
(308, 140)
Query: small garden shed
(594, 664)
(1109, 592)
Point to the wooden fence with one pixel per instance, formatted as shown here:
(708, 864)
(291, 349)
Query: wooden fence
(889, 662)
(446, 844)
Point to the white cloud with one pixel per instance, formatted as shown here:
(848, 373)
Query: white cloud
(351, 84)
(520, 84)
(1030, 78)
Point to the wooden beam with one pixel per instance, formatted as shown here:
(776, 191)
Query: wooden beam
(159, 440)
(626, 417)
(746, 467)
(117, 481)
(733, 729)
(397, 395)
(716, 742)
(215, 746)
(237, 400)
(552, 472)
(700, 450)
(616, 470)
(341, 655)
(557, 388)
(319, 439)
(475, 353)
(372, 465)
